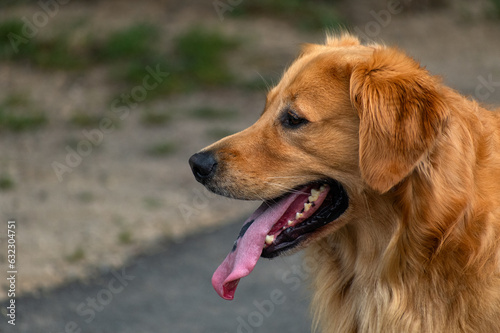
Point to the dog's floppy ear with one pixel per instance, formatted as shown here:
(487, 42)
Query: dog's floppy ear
(401, 111)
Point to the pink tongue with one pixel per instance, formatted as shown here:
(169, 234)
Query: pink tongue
(248, 248)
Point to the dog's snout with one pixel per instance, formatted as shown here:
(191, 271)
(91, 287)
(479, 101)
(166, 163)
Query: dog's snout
(203, 166)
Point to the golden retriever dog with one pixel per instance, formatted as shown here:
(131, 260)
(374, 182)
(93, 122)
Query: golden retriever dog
(390, 179)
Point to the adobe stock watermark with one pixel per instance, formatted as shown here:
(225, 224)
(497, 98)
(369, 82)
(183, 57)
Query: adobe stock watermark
(381, 19)
(221, 7)
(485, 87)
(199, 201)
(40, 19)
(120, 110)
(293, 278)
(263, 309)
(88, 309)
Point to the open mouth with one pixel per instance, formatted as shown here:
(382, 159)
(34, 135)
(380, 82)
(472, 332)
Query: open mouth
(316, 205)
(277, 226)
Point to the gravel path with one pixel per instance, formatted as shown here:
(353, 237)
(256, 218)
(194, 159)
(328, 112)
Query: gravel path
(170, 291)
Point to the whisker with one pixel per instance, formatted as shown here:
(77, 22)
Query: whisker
(267, 84)
(256, 194)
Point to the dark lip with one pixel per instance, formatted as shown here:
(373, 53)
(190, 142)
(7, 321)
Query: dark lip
(334, 205)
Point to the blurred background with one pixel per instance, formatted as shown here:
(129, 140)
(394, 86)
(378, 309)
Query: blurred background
(103, 101)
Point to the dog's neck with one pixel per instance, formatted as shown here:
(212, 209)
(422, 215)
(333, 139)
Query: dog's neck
(427, 247)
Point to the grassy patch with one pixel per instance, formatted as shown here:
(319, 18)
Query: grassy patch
(135, 70)
(133, 42)
(306, 14)
(134, 54)
(197, 59)
(496, 8)
(57, 51)
(21, 121)
(162, 149)
(207, 112)
(66, 51)
(81, 119)
(76, 256)
(152, 203)
(201, 54)
(151, 117)
(137, 73)
(125, 237)
(85, 197)
(16, 100)
(13, 3)
(11, 38)
(6, 183)
(17, 114)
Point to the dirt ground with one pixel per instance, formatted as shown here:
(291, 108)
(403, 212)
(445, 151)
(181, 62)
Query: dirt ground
(118, 201)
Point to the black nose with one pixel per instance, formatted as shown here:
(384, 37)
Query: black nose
(203, 166)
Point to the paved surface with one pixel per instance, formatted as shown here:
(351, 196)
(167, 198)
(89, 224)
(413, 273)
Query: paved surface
(171, 292)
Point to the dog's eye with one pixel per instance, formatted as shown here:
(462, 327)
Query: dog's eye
(291, 120)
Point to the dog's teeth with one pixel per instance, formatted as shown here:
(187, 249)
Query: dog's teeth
(298, 216)
(269, 239)
(307, 206)
(290, 222)
(322, 188)
(314, 196)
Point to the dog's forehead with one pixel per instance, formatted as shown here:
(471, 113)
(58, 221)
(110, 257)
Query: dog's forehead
(316, 64)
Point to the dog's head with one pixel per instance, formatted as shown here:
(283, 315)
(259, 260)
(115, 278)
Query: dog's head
(345, 118)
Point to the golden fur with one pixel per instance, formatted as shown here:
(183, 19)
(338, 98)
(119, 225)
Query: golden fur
(418, 248)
